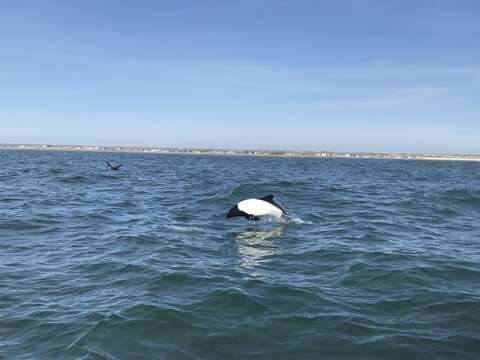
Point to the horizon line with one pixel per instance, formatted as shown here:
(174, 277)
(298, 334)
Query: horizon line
(237, 151)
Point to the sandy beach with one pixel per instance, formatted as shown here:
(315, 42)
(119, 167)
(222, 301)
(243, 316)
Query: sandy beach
(242, 152)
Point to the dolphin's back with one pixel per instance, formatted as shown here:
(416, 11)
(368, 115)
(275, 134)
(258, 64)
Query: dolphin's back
(258, 207)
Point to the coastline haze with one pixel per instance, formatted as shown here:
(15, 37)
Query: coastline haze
(242, 152)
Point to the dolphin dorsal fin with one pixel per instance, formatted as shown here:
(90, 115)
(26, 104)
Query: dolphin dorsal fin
(269, 199)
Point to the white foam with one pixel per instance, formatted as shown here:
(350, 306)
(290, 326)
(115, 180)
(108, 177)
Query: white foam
(286, 219)
(293, 219)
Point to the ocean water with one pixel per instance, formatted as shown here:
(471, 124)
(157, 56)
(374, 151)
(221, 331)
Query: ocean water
(382, 260)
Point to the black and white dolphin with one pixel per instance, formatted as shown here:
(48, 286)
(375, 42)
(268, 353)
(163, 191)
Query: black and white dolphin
(114, 167)
(252, 209)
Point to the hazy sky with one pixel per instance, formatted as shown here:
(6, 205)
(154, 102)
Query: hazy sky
(338, 75)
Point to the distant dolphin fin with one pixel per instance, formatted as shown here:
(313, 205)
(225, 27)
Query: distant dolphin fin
(269, 199)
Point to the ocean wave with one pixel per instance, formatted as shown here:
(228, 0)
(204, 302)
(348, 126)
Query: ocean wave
(264, 188)
(231, 301)
(75, 179)
(21, 225)
(465, 196)
(141, 263)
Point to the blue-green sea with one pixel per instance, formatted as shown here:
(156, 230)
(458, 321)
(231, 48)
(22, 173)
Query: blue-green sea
(380, 261)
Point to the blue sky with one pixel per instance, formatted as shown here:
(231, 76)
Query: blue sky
(353, 75)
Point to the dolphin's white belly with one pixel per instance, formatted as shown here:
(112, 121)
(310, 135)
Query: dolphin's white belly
(257, 207)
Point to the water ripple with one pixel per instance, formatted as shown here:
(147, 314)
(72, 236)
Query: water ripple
(381, 260)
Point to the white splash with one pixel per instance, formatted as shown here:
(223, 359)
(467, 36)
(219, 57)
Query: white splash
(293, 219)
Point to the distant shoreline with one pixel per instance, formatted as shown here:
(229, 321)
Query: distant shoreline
(240, 152)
